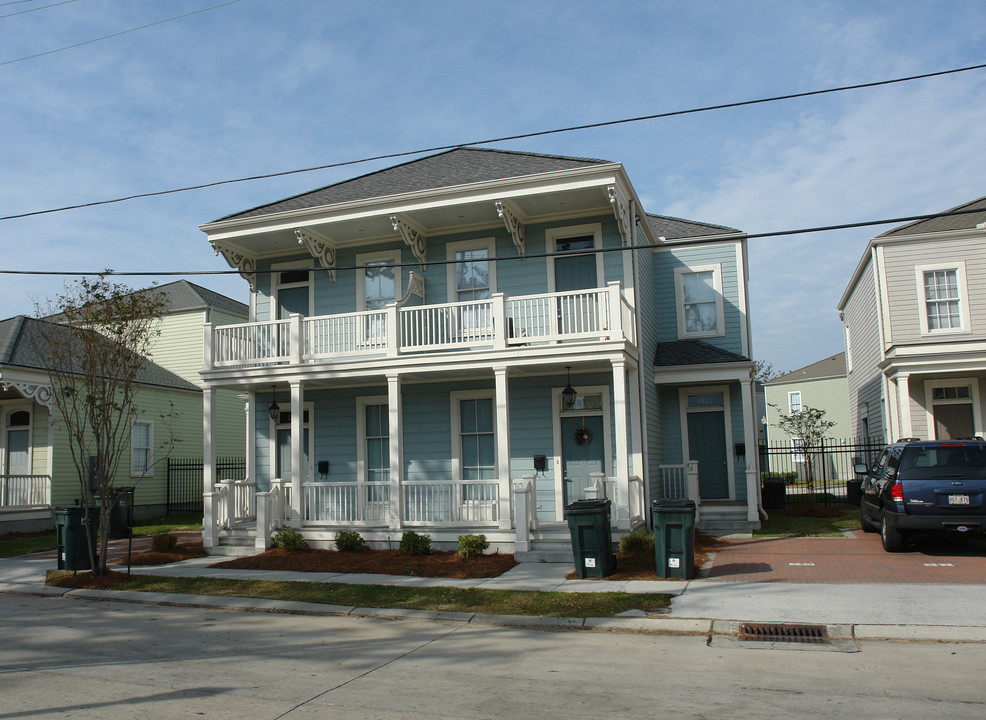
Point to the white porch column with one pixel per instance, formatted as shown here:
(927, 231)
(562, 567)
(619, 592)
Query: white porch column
(503, 445)
(904, 401)
(251, 436)
(209, 516)
(691, 482)
(297, 452)
(752, 452)
(621, 444)
(636, 424)
(396, 430)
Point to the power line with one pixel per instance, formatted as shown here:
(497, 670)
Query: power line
(724, 237)
(116, 34)
(31, 10)
(540, 133)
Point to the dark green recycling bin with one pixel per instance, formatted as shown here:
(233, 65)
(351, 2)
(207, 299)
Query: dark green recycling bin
(674, 538)
(71, 536)
(592, 542)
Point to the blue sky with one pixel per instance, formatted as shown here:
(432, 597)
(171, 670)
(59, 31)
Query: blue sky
(263, 86)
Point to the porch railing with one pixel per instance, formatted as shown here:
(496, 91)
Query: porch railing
(236, 502)
(634, 506)
(271, 512)
(25, 491)
(673, 482)
(496, 322)
(350, 503)
(451, 503)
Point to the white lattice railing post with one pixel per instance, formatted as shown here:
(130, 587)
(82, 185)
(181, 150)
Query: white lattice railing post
(522, 513)
(691, 480)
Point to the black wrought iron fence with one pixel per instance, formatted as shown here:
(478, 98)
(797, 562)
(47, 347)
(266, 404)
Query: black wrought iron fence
(830, 466)
(185, 481)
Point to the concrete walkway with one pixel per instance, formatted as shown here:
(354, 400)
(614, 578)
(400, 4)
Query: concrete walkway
(922, 611)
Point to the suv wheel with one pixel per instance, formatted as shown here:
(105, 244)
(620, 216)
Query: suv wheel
(864, 520)
(893, 539)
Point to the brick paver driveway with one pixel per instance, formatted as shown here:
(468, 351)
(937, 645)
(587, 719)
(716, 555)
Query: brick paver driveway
(856, 558)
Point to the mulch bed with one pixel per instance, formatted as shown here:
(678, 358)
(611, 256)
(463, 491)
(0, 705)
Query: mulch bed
(388, 562)
(184, 551)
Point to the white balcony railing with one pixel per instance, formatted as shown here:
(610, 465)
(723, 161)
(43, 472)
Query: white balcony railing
(348, 503)
(497, 322)
(25, 491)
(451, 503)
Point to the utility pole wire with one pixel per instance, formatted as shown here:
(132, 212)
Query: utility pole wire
(437, 148)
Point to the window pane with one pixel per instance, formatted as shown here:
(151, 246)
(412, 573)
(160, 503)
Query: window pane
(699, 287)
(378, 284)
(467, 409)
(484, 415)
(577, 243)
(470, 451)
(705, 400)
(701, 317)
(486, 450)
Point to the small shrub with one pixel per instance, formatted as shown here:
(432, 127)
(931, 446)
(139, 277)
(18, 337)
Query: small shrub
(350, 540)
(414, 544)
(472, 545)
(288, 540)
(164, 543)
(639, 541)
(786, 477)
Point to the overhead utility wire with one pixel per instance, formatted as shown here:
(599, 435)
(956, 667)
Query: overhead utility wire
(31, 10)
(738, 235)
(390, 156)
(116, 34)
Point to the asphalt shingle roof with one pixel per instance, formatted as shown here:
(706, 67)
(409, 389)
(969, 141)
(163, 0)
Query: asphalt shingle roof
(944, 224)
(674, 228)
(833, 366)
(21, 337)
(185, 295)
(693, 352)
(447, 169)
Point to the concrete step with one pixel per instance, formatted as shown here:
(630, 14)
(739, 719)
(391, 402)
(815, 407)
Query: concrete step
(233, 550)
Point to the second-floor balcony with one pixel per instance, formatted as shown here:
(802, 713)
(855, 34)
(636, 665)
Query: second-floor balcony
(496, 323)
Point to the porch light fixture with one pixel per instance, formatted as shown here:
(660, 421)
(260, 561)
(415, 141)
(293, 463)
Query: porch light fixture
(274, 409)
(568, 394)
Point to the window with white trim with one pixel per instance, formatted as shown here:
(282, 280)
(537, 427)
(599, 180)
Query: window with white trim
(141, 448)
(943, 297)
(794, 402)
(698, 298)
(471, 275)
(378, 281)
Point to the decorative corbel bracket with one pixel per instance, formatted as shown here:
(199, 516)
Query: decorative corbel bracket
(246, 265)
(320, 247)
(621, 209)
(513, 219)
(40, 394)
(413, 234)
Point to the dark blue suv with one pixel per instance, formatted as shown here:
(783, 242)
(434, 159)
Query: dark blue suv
(924, 486)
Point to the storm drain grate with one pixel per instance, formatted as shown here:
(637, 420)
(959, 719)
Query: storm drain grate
(774, 632)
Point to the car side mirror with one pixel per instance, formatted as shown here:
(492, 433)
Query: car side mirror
(860, 468)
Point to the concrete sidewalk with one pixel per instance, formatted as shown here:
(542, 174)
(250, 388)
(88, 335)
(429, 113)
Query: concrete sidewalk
(938, 612)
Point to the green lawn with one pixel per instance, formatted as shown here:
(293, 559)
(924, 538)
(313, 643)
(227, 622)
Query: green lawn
(472, 600)
(787, 522)
(40, 542)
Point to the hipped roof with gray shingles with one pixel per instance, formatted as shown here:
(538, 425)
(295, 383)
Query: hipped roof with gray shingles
(21, 337)
(460, 166)
(966, 221)
(674, 228)
(830, 367)
(183, 296)
(693, 352)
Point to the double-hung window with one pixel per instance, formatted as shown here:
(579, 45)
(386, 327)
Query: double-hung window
(471, 280)
(794, 402)
(141, 450)
(698, 297)
(943, 298)
(378, 284)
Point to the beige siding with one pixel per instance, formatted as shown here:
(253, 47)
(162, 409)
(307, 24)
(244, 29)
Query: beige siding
(905, 304)
(864, 381)
(179, 345)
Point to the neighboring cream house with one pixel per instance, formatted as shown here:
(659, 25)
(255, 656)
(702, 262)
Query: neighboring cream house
(821, 385)
(915, 329)
(36, 467)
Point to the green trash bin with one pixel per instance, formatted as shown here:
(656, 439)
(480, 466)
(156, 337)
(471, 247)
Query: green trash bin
(592, 541)
(71, 536)
(674, 538)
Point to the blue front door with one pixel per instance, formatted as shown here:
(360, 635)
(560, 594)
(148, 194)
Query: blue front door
(580, 459)
(707, 445)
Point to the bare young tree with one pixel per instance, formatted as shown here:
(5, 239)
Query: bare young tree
(94, 345)
(807, 428)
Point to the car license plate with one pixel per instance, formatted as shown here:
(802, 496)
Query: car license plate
(958, 499)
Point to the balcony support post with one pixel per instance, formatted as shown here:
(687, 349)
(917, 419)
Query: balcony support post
(502, 445)
(295, 338)
(297, 452)
(396, 431)
(209, 520)
(622, 444)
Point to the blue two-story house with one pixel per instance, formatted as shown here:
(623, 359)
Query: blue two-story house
(470, 341)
